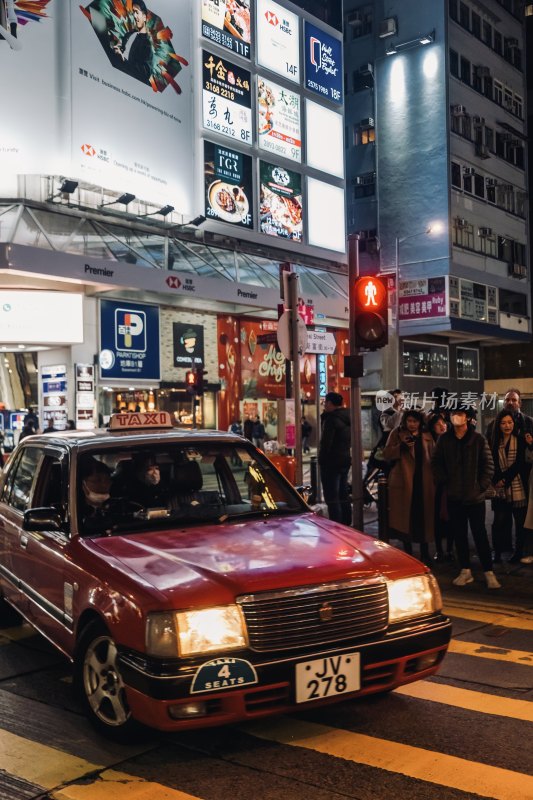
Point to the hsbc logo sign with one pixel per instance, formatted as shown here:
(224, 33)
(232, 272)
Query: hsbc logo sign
(272, 18)
(173, 282)
(88, 150)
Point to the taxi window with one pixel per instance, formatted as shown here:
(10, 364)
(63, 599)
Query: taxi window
(20, 483)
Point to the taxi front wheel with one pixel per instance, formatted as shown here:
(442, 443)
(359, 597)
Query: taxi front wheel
(100, 684)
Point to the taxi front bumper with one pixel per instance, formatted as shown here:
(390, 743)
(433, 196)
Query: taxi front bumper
(165, 701)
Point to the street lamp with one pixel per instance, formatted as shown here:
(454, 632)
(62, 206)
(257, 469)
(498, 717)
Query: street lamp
(434, 228)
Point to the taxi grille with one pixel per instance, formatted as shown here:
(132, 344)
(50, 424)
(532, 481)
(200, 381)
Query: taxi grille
(315, 615)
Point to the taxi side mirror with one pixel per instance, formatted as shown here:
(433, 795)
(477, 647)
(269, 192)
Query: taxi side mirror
(42, 519)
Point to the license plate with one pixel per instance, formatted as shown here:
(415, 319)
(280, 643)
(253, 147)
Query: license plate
(325, 677)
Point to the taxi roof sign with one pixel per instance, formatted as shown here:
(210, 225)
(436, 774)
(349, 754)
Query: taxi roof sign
(140, 420)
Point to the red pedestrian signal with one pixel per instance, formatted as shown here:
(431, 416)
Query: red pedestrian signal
(371, 310)
(190, 381)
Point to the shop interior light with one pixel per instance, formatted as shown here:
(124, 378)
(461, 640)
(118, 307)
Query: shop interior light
(125, 199)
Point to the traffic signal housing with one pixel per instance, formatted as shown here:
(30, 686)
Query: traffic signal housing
(195, 381)
(371, 311)
(190, 381)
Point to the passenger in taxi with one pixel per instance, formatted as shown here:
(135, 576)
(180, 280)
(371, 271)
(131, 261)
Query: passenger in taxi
(97, 511)
(146, 487)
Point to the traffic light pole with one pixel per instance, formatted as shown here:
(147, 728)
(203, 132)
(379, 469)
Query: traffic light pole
(355, 394)
(296, 392)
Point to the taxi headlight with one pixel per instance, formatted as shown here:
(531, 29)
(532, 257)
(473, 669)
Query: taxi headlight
(187, 633)
(413, 597)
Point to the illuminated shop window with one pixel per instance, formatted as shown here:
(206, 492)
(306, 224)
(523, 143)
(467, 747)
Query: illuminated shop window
(423, 360)
(467, 363)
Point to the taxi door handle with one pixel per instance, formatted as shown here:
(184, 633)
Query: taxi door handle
(24, 542)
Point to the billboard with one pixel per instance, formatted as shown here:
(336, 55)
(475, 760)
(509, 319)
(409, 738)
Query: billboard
(228, 185)
(323, 63)
(278, 40)
(131, 100)
(129, 341)
(28, 317)
(229, 24)
(281, 209)
(30, 127)
(226, 98)
(279, 120)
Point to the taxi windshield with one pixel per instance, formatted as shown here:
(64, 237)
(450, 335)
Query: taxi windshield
(149, 487)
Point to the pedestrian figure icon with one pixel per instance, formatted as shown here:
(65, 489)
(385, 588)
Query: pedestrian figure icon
(370, 294)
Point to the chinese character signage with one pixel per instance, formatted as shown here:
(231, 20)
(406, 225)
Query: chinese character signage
(323, 63)
(228, 185)
(54, 395)
(228, 23)
(280, 202)
(129, 341)
(279, 120)
(278, 40)
(188, 345)
(227, 101)
(422, 299)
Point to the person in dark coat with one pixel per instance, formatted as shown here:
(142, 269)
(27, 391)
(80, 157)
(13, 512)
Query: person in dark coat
(258, 433)
(510, 482)
(462, 463)
(334, 458)
(135, 50)
(248, 428)
(306, 433)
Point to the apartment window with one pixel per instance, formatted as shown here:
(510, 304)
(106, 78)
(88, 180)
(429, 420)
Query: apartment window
(467, 363)
(364, 185)
(505, 249)
(365, 25)
(467, 183)
(456, 175)
(463, 234)
(479, 186)
(513, 302)
(518, 106)
(508, 99)
(487, 33)
(498, 93)
(454, 63)
(466, 70)
(489, 138)
(498, 42)
(365, 135)
(476, 25)
(487, 246)
(491, 194)
(425, 360)
(488, 88)
(519, 157)
(454, 9)
(464, 16)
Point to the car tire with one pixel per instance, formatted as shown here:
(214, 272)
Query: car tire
(100, 686)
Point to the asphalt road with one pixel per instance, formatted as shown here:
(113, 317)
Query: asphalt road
(465, 733)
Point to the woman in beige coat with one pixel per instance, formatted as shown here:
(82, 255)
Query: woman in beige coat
(411, 486)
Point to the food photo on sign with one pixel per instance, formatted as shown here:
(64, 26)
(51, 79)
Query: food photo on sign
(281, 212)
(228, 185)
(278, 120)
(228, 23)
(136, 41)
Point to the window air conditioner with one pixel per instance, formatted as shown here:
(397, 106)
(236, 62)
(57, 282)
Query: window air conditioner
(354, 18)
(468, 171)
(517, 270)
(511, 42)
(506, 187)
(506, 137)
(368, 122)
(387, 27)
(491, 181)
(515, 143)
(461, 223)
(366, 69)
(485, 232)
(458, 111)
(478, 120)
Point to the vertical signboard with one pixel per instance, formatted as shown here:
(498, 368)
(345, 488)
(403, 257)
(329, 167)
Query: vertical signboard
(54, 396)
(129, 341)
(278, 40)
(85, 396)
(323, 63)
(188, 345)
(132, 64)
(228, 185)
(281, 211)
(229, 24)
(29, 131)
(226, 98)
(279, 120)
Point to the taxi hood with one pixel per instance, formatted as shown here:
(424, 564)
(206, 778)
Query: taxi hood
(213, 564)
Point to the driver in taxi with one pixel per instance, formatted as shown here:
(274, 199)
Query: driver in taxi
(96, 489)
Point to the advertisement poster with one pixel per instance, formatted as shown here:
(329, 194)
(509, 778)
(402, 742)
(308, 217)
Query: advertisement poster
(422, 298)
(278, 40)
(262, 365)
(29, 132)
(228, 185)
(85, 396)
(132, 66)
(323, 63)
(54, 395)
(228, 351)
(129, 341)
(281, 212)
(279, 121)
(229, 24)
(226, 98)
(188, 345)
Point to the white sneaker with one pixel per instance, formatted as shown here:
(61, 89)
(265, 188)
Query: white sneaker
(464, 577)
(492, 581)
(527, 560)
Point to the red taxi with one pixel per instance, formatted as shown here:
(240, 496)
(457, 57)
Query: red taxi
(191, 585)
